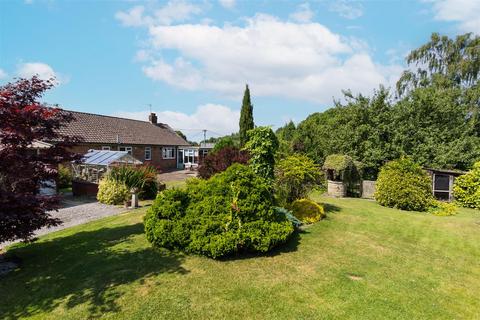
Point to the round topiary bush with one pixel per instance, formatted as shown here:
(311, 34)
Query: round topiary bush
(466, 189)
(307, 211)
(112, 192)
(231, 212)
(403, 184)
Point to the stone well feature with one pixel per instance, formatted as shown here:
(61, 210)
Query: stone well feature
(336, 189)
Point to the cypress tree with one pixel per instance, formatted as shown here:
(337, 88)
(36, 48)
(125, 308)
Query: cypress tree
(246, 117)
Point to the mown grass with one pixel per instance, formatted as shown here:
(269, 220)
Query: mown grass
(363, 262)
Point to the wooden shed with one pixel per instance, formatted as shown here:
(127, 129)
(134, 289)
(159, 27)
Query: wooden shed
(442, 182)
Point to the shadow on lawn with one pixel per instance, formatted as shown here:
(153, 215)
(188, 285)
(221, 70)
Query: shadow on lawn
(290, 246)
(84, 268)
(330, 208)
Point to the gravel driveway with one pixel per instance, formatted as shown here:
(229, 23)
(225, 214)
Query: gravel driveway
(75, 212)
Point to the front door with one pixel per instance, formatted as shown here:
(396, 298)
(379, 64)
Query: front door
(180, 159)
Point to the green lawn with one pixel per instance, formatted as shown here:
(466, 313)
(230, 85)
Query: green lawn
(363, 262)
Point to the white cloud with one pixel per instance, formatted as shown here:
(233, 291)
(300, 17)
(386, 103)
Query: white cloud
(277, 58)
(133, 17)
(464, 12)
(347, 9)
(42, 70)
(217, 118)
(173, 11)
(229, 4)
(303, 14)
(3, 74)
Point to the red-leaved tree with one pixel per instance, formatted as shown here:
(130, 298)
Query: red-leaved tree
(220, 160)
(23, 170)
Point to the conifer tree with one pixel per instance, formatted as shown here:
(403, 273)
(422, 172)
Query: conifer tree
(246, 117)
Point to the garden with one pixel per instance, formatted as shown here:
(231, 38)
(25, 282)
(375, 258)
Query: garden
(256, 236)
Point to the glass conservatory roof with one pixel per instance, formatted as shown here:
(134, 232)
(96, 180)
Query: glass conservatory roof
(105, 158)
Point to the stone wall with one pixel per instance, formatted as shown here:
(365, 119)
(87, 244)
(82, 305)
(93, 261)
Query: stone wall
(368, 189)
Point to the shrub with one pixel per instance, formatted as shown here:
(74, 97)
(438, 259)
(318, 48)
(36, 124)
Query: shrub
(403, 184)
(307, 211)
(64, 176)
(112, 192)
(289, 215)
(219, 161)
(143, 178)
(262, 145)
(295, 176)
(443, 209)
(224, 142)
(466, 189)
(229, 213)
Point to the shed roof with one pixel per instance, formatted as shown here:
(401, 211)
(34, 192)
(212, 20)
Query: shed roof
(446, 171)
(105, 158)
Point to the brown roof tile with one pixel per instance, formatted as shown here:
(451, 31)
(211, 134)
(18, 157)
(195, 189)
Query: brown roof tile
(94, 128)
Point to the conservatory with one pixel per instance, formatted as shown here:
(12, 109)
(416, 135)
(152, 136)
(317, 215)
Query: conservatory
(95, 163)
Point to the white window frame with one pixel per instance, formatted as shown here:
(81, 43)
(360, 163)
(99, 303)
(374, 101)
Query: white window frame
(148, 151)
(127, 149)
(168, 153)
(106, 148)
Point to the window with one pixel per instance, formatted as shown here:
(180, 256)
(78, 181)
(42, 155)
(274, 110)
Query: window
(128, 149)
(168, 153)
(106, 148)
(441, 186)
(148, 153)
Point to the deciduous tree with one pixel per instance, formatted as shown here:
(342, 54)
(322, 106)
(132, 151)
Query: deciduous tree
(24, 120)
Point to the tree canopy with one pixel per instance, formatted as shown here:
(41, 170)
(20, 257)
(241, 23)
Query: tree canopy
(434, 117)
(23, 121)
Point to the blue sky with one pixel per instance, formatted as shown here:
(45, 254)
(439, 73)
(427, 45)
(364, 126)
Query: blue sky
(190, 60)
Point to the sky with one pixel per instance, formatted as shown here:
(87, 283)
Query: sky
(189, 61)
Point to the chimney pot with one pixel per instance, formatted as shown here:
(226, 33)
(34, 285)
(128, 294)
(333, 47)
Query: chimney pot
(152, 118)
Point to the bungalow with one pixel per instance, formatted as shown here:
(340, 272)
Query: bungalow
(150, 142)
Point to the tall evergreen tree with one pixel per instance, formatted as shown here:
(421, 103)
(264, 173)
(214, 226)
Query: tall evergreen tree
(246, 117)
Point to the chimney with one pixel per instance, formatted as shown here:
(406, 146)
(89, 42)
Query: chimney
(152, 118)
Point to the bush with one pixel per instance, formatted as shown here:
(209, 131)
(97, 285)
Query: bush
(307, 211)
(112, 192)
(466, 189)
(443, 209)
(65, 177)
(220, 160)
(403, 184)
(295, 176)
(231, 212)
(143, 178)
(289, 215)
(222, 143)
(262, 145)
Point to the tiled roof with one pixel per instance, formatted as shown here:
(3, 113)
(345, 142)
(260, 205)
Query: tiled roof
(94, 128)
